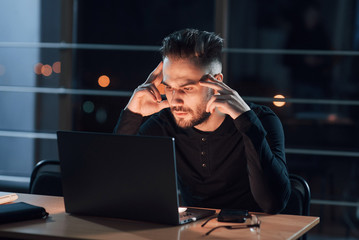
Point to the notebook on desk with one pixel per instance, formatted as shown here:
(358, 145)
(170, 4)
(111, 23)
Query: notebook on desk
(131, 177)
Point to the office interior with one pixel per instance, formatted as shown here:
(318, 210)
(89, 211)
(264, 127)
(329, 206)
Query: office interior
(73, 64)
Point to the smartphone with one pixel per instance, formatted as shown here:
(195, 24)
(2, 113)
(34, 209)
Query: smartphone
(233, 215)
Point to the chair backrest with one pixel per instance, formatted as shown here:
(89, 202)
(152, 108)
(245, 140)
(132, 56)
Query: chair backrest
(299, 201)
(46, 178)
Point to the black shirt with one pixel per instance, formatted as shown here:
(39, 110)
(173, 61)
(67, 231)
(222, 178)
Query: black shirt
(240, 165)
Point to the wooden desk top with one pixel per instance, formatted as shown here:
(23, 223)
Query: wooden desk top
(61, 225)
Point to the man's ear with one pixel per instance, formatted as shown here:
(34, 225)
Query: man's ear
(219, 77)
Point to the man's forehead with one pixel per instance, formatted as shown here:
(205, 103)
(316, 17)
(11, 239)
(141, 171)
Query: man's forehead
(180, 81)
(181, 67)
(180, 72)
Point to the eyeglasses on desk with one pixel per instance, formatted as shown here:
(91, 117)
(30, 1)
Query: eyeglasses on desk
(254, 224)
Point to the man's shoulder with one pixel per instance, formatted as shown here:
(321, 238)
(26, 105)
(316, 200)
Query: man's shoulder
(266, 115)
(261, 110)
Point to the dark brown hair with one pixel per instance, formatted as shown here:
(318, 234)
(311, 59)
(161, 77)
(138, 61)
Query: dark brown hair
(201, 47)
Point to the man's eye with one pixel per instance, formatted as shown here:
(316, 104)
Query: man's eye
(168, 88)
(188, 88)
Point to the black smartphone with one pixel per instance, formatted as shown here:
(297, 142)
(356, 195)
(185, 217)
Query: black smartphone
(233, 215)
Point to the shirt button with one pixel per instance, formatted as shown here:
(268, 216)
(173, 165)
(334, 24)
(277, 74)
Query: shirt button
(203, 153)
(204, 165)
(203, 139)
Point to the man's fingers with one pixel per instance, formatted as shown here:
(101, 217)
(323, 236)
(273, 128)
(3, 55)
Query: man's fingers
(158, 80)
(209, 77)
(219, 104)
(212, 85)
(210, 105)
(218, 101)
(158, 69)
(158, 75)
(218, 87)
(155, 76)
(209, 81)
(154, 91)
(146, 90)
(149, 88)
(143, 91)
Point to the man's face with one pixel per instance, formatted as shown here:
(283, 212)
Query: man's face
(187, 99)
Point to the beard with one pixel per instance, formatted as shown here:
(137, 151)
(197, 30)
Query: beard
(197, 117)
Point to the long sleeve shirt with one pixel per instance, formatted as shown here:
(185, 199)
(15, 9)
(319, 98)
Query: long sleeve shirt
(240, 165)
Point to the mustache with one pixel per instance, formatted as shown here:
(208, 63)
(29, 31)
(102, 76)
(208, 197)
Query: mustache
(180, 109)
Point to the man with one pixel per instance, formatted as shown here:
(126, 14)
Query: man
(230, 154)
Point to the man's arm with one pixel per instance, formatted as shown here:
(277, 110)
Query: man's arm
(145, 100)
(264, 147)
(128, 123)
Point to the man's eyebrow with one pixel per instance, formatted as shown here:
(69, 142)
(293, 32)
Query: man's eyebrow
(189, 82)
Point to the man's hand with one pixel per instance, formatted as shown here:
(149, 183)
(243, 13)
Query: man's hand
(146, 99)
(225, 99)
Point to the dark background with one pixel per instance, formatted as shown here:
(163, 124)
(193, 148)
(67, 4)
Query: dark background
(305, 50)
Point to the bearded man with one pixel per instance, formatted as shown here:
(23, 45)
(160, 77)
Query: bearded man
(229, 153)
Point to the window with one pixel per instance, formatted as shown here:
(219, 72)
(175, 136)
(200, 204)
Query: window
(72, 65)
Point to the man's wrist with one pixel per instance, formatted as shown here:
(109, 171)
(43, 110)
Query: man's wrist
(236, 114)
(128, 112)
(244, 121)
(132, 111)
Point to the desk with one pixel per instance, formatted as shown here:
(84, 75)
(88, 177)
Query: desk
(61, 225)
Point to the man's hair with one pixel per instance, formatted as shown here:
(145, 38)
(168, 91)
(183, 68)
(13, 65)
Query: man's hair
(200, 47)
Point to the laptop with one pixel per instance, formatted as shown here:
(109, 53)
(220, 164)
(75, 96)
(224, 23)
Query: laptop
(122, 176)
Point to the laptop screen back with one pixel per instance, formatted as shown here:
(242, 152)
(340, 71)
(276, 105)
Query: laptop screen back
(132, 177)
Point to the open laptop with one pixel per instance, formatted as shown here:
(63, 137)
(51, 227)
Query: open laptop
(122, 176)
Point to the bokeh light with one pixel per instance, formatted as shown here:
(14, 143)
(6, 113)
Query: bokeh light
(332, 117)
(279, 103)
(101, 115)
(161, 89)
(104, 81)
(37, 68)
(88, 107)
(46, 70)
(56, 67)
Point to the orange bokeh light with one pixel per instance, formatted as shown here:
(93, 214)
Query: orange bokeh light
(56, 67)
(332, 117)
(278, 103)
(161, 89)
(37, 68)
(104, 81)
(46, 70)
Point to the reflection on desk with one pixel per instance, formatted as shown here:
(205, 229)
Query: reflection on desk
(61, 225)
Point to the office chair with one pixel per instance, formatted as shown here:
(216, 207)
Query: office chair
(351, 194)
(299, 201)
(46, 178)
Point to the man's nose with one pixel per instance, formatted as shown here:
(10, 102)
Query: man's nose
(176, 97)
